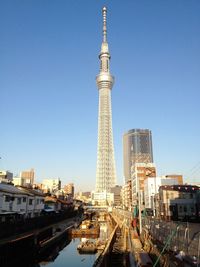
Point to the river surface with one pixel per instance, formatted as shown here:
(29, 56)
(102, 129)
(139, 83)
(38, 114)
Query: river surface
(66, 254)
(70, 256)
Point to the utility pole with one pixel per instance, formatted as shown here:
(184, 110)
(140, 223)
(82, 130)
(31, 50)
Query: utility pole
(198, 253)
(139, 205)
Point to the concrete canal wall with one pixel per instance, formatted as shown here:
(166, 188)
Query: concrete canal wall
(105, 258)
(30, 246)
(102, 260)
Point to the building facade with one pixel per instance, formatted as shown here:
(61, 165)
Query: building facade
(151, 188)
(102, 198)
(139, 173)
(117, 195)
(127, 195)
(69, 190)
(18, 202)
(137, 148)
(6, 176)
(179, 202)
(178, 177)
(105, 173)
(51, 185)
(27, 177)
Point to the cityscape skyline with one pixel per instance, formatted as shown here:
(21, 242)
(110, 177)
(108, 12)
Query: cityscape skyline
(48, 112)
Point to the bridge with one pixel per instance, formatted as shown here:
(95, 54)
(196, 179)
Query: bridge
(97, 208)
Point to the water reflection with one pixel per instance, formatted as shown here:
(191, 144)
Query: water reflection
(66, 254)
(69, 256)
(53, 253)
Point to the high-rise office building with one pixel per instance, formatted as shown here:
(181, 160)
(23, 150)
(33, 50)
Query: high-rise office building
(105, 173)
(137, 148)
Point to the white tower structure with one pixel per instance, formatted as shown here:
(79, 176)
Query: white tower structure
(105, 174)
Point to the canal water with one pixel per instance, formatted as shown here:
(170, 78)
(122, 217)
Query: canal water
(66, 254)
(69, 256)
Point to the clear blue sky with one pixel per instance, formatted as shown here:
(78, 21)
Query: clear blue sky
(48, 95)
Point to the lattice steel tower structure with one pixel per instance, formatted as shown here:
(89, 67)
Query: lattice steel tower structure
(105, 174)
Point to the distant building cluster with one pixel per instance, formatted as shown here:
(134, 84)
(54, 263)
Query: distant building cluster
(21, 197)
(144, 192)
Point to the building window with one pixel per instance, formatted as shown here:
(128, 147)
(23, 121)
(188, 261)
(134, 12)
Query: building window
(19, 200)
(171, 208)
(7, 198)
(30, 201)
(24, 199)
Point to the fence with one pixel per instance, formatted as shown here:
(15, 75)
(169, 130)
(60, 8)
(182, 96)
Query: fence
(186, 238)
(10, 228)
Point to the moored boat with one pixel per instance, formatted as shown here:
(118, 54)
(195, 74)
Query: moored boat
(100, 244)
(87, 247)
(86, 228)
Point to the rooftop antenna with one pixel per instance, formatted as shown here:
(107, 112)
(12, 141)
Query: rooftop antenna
(104, 11)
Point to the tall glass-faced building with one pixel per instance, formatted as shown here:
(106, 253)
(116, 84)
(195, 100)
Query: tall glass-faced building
(137, 148)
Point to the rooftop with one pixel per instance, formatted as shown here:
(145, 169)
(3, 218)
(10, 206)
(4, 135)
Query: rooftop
(181, 188)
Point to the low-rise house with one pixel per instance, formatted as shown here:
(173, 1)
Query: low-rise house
(151, 187)
(54, 204)
(13, 202)
(51, 204)
(35, 203)
(17, 202)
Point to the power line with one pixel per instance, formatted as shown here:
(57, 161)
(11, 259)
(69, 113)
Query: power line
(193, 169)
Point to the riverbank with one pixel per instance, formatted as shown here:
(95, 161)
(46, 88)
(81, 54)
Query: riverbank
(30, 245)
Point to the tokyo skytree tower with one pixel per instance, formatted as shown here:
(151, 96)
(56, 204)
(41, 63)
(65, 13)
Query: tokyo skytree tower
(105, 173)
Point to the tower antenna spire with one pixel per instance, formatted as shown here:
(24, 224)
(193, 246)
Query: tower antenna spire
(104, 11)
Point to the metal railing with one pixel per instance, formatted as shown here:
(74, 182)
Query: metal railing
(8, 229)
(185, 239)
